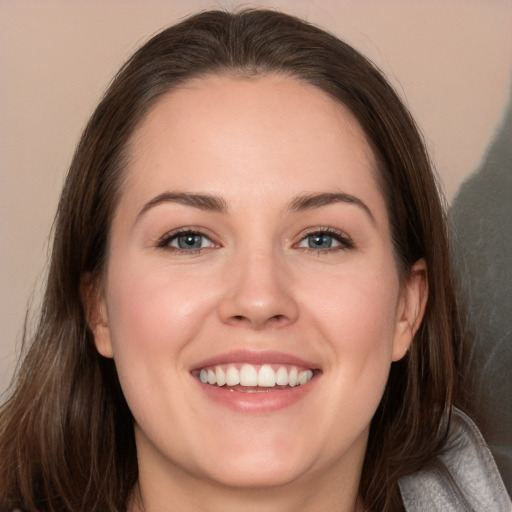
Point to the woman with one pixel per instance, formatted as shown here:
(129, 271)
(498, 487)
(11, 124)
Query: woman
(249, 302)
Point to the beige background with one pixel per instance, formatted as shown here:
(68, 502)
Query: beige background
(450, 60)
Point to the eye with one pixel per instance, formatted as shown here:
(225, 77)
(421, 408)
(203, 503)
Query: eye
(186, 241)
(326, 239)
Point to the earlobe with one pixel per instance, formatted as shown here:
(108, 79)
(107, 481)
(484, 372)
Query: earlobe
(94, 304)
(411, 309)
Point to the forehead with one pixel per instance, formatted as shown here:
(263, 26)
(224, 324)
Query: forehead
(220, 131)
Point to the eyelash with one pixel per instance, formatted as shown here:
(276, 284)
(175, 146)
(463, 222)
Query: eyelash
(168, 238)
(345, 241)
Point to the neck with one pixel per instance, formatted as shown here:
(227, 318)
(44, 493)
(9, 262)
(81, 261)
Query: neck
(247, 501)
(332, 492)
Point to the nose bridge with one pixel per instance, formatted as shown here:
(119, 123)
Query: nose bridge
(258, 290)
(260, 273)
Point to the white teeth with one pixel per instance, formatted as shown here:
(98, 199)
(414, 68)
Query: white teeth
(264, 376)
(232, 376)
(248, 376)
(293, 377)
(305, 376)
(221, 376)
(282, 376)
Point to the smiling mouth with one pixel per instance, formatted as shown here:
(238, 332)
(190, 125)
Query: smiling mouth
(253, 378)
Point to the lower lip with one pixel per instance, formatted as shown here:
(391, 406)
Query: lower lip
(267, 400)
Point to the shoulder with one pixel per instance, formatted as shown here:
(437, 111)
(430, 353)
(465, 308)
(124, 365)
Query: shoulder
(463, 478)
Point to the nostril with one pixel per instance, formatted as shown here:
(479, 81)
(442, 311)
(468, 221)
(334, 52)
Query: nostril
(257, 311)
(276, 319)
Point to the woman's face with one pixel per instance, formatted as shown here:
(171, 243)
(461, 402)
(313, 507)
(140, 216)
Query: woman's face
(251, 245)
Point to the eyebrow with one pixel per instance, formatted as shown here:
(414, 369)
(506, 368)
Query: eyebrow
(213, 203)
(312, 201)
(201, 201)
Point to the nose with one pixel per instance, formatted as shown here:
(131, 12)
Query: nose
(259, 293)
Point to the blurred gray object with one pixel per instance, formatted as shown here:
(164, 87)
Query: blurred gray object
(481, 233)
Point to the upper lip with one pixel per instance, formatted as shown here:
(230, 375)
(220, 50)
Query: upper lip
(255, 358)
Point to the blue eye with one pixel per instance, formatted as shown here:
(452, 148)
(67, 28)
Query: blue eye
(325, 240)
(186, 241)
(320, 241)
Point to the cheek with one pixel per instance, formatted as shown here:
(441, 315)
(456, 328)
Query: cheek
(360, 305)
(356, 315)
(152, 310)
(153, 314)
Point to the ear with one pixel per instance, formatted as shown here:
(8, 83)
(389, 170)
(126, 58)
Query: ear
(95, 307)
(411, 309)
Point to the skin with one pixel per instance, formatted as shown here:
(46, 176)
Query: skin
(255, 285)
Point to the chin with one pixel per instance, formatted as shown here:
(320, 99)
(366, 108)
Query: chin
(256, 474)
(258, 462)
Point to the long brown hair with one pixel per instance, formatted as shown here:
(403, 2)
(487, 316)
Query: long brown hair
(66, 433)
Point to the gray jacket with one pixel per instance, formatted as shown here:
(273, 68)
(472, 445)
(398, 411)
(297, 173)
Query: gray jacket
(463, 479)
